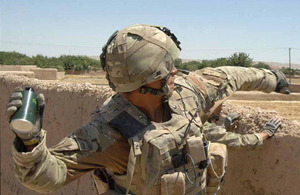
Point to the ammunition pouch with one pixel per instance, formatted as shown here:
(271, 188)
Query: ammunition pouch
(216, 169)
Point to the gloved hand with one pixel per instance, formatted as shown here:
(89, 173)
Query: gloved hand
(32, 137)
(271, 127)
(282, 83)
(230, 120)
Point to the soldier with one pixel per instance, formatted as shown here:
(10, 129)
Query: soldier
(235, 141)
(147, 138)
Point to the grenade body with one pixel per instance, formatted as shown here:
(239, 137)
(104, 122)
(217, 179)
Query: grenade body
(24, 119)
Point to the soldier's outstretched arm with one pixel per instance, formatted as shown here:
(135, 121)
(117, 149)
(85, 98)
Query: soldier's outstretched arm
(214, 85)
(244, 79)
(46, 170)
(233, 141)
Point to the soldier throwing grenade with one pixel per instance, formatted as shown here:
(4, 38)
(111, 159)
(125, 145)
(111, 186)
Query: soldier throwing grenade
(146, 139)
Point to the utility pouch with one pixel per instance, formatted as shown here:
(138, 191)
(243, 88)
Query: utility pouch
(195, 149)
(216, 169)
(173, 184)
(203, 164)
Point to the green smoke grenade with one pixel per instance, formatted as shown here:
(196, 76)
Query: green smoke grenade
(25, 117)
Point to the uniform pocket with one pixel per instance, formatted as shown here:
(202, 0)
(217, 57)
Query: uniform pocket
(173, 184)
(216, 169)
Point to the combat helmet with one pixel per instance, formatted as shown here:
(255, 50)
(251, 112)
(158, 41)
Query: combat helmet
(138, 55)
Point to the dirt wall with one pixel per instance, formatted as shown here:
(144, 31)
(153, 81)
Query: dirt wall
(16, 67)
(45, 73)
(60, 75)
(295, 88)
(260, 96)
(28, 74)
(68, 107)
(270, 169)
(28, 67)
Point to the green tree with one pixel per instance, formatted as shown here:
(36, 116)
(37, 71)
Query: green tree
(14, 58)
(191, 66)
(220, 62)
(64, 62)
(240, 59)
(262, 65)
(178, 63)
(286, 71)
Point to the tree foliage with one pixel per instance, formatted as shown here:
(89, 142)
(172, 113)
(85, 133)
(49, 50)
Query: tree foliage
(64, 62)
(262, 65)
(286, 71)
(240, 59)
(14, 58)
(77, 63)
(237, 59)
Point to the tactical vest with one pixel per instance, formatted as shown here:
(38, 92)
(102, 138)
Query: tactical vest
(155, 163)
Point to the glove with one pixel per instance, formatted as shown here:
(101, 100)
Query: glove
(230, 120)
(271, 127)
(34, 136)
(282, 83)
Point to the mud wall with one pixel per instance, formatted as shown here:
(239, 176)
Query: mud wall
(294, 88)
(45, 73)
(29, 70)
(28, 74)
(60, 75)
(68, 107)
(16, 67)
(270, 169)
(260, 96)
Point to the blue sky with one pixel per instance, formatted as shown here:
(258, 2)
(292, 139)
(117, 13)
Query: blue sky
(207, 29)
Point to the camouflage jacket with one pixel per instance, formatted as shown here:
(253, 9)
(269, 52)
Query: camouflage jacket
(233, 141)
(98, 145)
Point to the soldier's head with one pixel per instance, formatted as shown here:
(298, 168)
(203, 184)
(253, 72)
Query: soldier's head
(138, 56)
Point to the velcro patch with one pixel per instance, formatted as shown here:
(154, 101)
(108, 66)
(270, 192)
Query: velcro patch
(127, 125)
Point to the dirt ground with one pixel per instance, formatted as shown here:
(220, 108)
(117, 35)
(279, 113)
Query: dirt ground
(295, 80)
(96, 79)
(286, 109)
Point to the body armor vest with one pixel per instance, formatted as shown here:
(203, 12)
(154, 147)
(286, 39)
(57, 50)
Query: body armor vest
(170, 157)
(160, 160)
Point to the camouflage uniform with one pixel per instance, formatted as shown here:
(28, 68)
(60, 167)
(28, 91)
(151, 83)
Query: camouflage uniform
(233, 141)
(98, 144)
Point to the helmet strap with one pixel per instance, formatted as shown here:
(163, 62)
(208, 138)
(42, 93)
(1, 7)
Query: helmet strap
(164, 91)
(145, 90)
